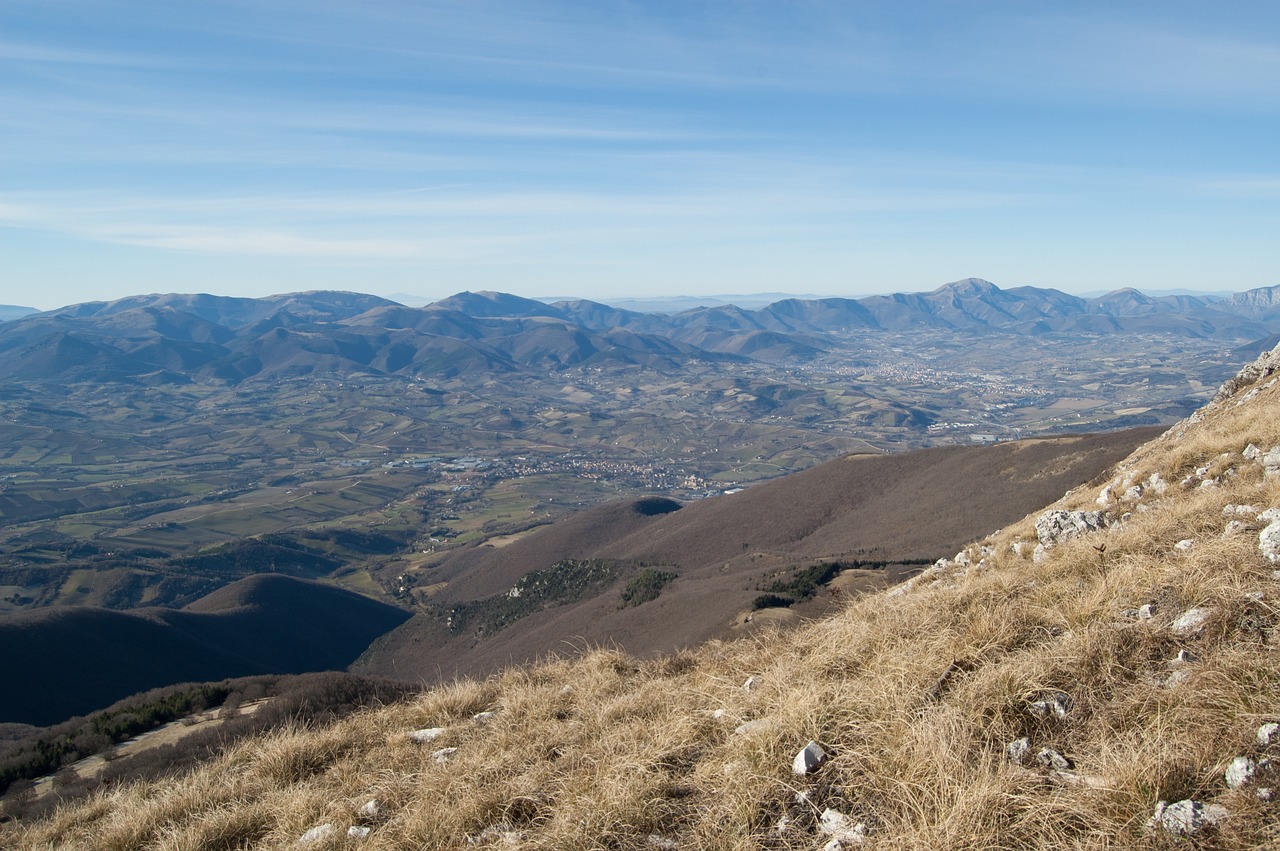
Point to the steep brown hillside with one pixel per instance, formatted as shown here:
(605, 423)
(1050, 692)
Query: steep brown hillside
(727, 550)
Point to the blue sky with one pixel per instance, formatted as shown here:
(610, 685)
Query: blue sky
(604, 148)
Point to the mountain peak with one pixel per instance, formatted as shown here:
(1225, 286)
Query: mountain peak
(969, 286)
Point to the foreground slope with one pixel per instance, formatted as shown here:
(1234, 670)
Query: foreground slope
(1144, 664)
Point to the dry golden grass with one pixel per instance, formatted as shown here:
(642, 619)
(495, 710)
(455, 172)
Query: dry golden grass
(606, 752)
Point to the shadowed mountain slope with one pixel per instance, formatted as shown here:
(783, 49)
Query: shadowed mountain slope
(66, 661)
(884, 509)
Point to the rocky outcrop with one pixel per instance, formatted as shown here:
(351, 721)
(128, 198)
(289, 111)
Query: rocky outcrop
(1054, 527)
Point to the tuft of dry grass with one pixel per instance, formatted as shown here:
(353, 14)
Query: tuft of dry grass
(915, 694)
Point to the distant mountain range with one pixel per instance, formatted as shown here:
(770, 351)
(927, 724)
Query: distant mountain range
(163, 339)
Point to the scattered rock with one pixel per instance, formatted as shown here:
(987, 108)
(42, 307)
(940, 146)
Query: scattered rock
(808, 760)
(1184, 545)
(427, 734)
(1184, 657)
(501, 832)
(373, 811)
(319, 833)
(1239, 511)
(841, 829)
(752, 726)
(750, 684)
(1188, 817)
(1057, 706)
(1269, 734)
(482, 717)
(1251, 453)
(1177, 678)
(656, 841)
(1240, 771)
(1052, 760)
(718, 714)
(1271, 462)
(1157, 484)
(1191, 621)
(783, 827)
(1057, 525)
(1269, 542)
(442, 756)
(1235, 527)
(357, 831)
(1147, 611)
(1269, 516)
(1017, 750)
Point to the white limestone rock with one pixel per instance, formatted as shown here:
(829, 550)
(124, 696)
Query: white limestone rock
(663, 842)
(1147, 611)
(1239, 511)
(443, 755)
(809, 759)
(1186, 818)
(1056, 706)
(752, 726)
(1269, 734)
(502, 833)
(427, 734)
(1185, 545)
(1269, 542)
(841, 829)
(373, 811)
(1271, 462)
(1056, 526)
(359, 831)
(1240, 771)
(317, 834)
(750, 684)
(1252, 452)
(1235, 527)
(1192, 621)
(1018, 750)
(1052, 760)
(484, 717)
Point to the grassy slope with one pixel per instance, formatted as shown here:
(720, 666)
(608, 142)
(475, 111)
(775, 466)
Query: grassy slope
(602, 752)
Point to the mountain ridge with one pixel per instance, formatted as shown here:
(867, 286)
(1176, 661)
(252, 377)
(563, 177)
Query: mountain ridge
(176, 338)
